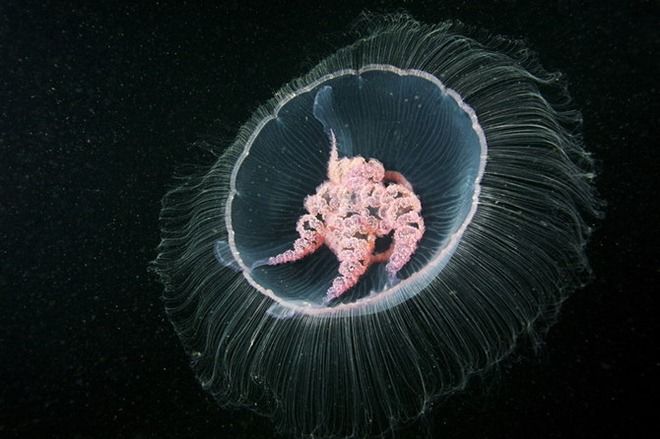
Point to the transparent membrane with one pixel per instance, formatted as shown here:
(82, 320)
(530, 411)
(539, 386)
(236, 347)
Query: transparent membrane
(408, 121)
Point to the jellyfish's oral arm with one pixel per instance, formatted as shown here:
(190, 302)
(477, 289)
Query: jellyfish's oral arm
(334, 155)
(404, 243)
(311, 231)
(404, 216)
(354, 260)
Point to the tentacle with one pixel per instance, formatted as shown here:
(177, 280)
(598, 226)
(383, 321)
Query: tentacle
(311, 231)
(353, 263)
(408, 230)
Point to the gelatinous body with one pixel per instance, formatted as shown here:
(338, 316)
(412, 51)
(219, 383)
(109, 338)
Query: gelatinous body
(389, 225)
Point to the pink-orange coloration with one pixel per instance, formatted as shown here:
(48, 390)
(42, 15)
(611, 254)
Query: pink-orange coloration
(359, 203)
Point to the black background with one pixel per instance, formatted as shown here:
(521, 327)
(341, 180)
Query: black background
(99, 105)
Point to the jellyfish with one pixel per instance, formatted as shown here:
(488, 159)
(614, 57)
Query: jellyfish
(387, 226)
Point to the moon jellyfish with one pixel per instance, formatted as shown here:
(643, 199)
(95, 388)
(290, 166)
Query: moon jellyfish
(387, 226)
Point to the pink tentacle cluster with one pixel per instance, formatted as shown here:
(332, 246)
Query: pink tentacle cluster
(359, 203)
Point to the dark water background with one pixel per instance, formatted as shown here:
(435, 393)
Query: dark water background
(99, 104)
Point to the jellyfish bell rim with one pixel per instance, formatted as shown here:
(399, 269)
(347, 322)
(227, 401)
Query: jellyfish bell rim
(402, 290)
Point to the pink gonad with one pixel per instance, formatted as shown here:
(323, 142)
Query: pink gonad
(359, 203)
